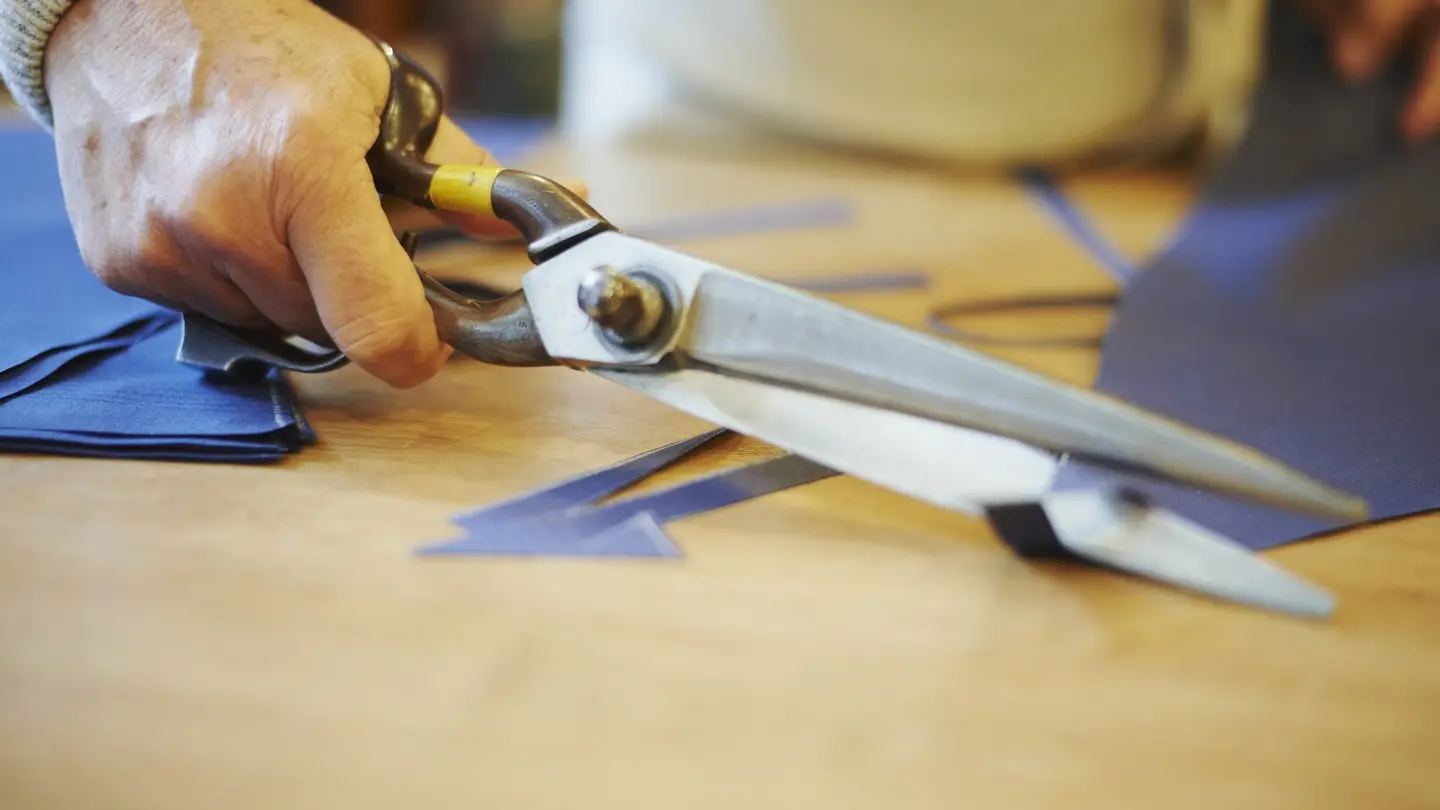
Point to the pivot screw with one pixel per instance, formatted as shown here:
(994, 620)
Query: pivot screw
(630, 309)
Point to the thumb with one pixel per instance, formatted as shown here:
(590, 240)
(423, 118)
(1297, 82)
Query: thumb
(453, 146)
(365, 287)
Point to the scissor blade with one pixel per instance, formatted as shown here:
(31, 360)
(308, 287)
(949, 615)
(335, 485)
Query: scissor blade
(739, 325)
(746, 326)
(951, 467)
(1156, 544)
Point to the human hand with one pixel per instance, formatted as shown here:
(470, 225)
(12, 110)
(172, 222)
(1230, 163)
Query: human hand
(1365, 35)
(212, 157)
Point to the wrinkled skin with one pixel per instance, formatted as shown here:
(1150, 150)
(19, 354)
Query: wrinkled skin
(212, 157)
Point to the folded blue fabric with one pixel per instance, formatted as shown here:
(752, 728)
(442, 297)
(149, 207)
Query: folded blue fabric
(22, 378)
(135, 401)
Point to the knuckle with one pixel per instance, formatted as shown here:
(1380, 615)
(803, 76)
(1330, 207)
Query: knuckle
(115, 268)
(221, 235)
(306, 174)
(139, 262)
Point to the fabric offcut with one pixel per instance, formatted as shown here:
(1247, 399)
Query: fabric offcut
(1294, 311)
(564, 519)
(88, 372)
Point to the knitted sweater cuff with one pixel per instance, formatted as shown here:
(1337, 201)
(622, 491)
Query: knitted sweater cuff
(25, 28)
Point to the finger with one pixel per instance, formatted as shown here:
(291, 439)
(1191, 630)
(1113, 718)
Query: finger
(162, 273)
(1370, 32)
(1421, 116)
(365, 288)
(215, 297)
(283, 298)
(452, 145)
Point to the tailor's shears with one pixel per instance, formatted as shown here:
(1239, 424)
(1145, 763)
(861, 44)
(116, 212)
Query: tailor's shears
(861, 395)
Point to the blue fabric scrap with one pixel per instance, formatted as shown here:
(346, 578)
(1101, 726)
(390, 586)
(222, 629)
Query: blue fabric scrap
(569, 526)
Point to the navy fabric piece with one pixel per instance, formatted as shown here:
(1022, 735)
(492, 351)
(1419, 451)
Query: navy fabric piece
(624, 524)
(22, 378)
(115, 401)
(1296, 309)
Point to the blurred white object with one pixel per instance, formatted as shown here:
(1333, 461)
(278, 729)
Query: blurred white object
(967, 81)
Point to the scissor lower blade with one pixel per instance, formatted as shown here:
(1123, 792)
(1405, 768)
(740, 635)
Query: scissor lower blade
(955, 468)
(1154, 543)
(964, 470)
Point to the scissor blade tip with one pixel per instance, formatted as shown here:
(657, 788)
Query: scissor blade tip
(1341, 506)
(1268, 481)
(1304, 598)
(1318, 605)
(1358, 510)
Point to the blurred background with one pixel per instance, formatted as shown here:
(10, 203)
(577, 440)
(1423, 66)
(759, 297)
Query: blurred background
(494, 57)
(956, 83)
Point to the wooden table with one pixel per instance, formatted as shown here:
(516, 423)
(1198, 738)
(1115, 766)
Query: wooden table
(183, 636)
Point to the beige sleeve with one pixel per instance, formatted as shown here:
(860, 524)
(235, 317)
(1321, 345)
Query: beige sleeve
(25, 28)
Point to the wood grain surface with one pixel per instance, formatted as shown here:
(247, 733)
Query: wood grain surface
(182, 636)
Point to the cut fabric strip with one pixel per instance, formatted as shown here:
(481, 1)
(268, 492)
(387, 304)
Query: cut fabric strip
(583, 490)
(627, 524)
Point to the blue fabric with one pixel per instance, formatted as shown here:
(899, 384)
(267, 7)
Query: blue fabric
(1296, 309)
(22, 378)
(551, 525)
(135, 401)
(88, 372)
